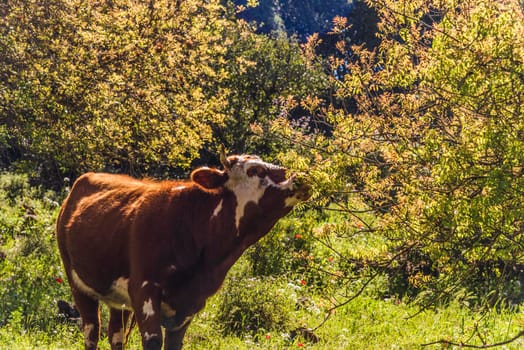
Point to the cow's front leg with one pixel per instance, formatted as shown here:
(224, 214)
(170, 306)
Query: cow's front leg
(145, 297)
(175, 336)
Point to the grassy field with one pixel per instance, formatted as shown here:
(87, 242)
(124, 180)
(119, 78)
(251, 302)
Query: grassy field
(365, 323)
(268, 294)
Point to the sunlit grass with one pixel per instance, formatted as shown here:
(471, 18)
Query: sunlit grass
(32, 282)
(365, 323)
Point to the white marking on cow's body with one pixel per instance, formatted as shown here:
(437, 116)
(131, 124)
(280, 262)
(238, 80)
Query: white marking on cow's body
(147, 309)
(178, 188)
(88, 328)
(118, 337)
(148, 336)
(144, 283)
(120, 286)
(167, 311)
(117, 297)
(82, 286)
(217, 209)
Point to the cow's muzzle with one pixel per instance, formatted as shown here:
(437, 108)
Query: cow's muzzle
(301, 187)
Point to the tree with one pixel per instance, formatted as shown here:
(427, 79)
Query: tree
(141, 88)
(434, 147)
(119, 84)
(264, 73)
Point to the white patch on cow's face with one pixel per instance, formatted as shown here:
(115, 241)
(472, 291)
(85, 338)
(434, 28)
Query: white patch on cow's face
(147, 309)
(144, 284)
(250, 188)
(118, 337)
(217, 209)
(246, 189)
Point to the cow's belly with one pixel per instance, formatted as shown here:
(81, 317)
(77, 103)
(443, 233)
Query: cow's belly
(117, 297)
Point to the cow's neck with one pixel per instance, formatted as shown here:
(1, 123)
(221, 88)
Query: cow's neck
(223, 248)
(225, 239)
(219, 259)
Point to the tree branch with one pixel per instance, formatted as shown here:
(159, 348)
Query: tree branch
(447, 343)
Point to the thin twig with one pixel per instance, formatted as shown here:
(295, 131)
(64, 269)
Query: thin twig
(364, 286)
(485, 346)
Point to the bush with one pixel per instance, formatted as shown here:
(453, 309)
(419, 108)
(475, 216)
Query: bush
(31, 278)
(291, 250)
(254, 305)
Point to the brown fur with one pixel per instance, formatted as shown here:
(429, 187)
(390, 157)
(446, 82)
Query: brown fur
(163, 240)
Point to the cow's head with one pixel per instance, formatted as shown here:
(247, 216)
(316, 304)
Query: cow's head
(263, 191)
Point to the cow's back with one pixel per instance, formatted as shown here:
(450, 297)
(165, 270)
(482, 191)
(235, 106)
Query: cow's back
(94, 197)
(98, 191)
(94, 224)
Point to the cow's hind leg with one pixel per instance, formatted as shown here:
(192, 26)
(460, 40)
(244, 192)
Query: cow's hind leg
(90, 315)
(118, 328)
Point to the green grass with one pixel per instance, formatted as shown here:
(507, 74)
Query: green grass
(266, 288)
(365, 323)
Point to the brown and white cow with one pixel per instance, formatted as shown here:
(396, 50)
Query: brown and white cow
(160, 249)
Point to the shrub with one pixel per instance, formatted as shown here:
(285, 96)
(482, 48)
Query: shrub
(30, 270)
(290, 250)
(252, 305)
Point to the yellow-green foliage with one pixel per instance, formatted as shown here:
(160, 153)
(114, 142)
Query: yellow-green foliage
(414, 151)
(139, 87)
(128, 84)
(428, 134)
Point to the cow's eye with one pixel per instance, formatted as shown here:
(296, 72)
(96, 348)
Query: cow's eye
(257, 170)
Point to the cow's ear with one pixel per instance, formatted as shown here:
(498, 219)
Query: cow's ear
(209, 178)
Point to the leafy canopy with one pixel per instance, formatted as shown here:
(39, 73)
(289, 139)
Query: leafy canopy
(428, 135)
(126, 84)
